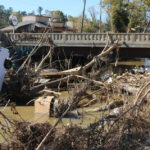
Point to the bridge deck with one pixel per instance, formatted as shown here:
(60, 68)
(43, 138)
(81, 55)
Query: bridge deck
(131, 40)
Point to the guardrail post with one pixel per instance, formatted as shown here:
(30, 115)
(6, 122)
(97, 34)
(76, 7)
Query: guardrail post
(142, 38)
(138, 38)
(123, 38)
(83, 37)
(146, 37)
(80, 37)
(132, 37)
(64, 37)
(102, 38)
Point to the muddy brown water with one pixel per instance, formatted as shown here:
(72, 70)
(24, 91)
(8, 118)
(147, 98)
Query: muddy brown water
(27, 112)
(135, 62)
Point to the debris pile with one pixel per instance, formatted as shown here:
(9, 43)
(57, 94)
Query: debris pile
(124, 105)
(128, 128)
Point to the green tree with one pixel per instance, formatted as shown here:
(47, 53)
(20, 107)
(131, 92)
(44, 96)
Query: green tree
(40, 9)
(118, 14)
(128, 15)
(19, 14)
(4, 15)
(89, 24)
(147, 13)
(119, 20)
(48, 12)
(23, 13)
(147, 2)
(107, 26)
(58, 15)
(92, 25)
(31, 13)
(137, 18)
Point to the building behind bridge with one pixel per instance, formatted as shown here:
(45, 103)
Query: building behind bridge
(37, 24)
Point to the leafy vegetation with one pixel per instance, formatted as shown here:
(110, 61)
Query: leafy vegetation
(122, 16)
(127, 16)
(40, 9)
(5, 13)
(58, 15)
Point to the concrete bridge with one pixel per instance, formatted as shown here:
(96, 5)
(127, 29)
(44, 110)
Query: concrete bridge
(132, 44)
(131, 40)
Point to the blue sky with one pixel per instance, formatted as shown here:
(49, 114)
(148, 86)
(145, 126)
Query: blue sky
(69, 7)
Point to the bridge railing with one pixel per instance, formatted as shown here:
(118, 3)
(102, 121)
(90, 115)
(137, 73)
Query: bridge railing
(95, 37)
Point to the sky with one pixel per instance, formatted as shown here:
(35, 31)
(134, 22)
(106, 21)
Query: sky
(69, 7)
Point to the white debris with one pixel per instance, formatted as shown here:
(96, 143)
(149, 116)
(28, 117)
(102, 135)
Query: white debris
(116, 111)
(109, 80)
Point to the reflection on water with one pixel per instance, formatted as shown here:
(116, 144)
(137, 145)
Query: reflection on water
(147, 63)
(27, 113)
(135, 65)
(136, 62)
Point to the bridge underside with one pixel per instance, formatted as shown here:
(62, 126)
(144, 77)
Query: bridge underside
(89, 51)
(134, 52)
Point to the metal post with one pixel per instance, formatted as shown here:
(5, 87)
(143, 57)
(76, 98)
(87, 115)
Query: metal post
(83, 16)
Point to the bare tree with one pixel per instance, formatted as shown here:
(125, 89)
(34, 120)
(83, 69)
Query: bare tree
(93, 13)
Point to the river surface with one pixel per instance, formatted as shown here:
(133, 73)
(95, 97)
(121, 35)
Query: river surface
(135, 62)
(26, 113)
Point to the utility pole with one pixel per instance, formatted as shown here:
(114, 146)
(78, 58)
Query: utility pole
(100, 18)
(83, 16)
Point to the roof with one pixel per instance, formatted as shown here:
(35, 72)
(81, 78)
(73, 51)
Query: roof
(24, 23)
(36, 16)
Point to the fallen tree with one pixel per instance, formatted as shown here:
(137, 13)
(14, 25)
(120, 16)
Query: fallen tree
(75, 71)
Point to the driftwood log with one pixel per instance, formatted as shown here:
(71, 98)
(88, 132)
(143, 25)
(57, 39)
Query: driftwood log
(126, 87)
(62, 73)
(43, 60)
(79, 70)
(110, 106)
(74, 71)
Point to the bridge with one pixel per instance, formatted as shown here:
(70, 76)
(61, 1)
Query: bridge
(129, 40)
(77, 44)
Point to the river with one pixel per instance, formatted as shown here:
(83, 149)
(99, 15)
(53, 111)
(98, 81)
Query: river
(26, 113)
